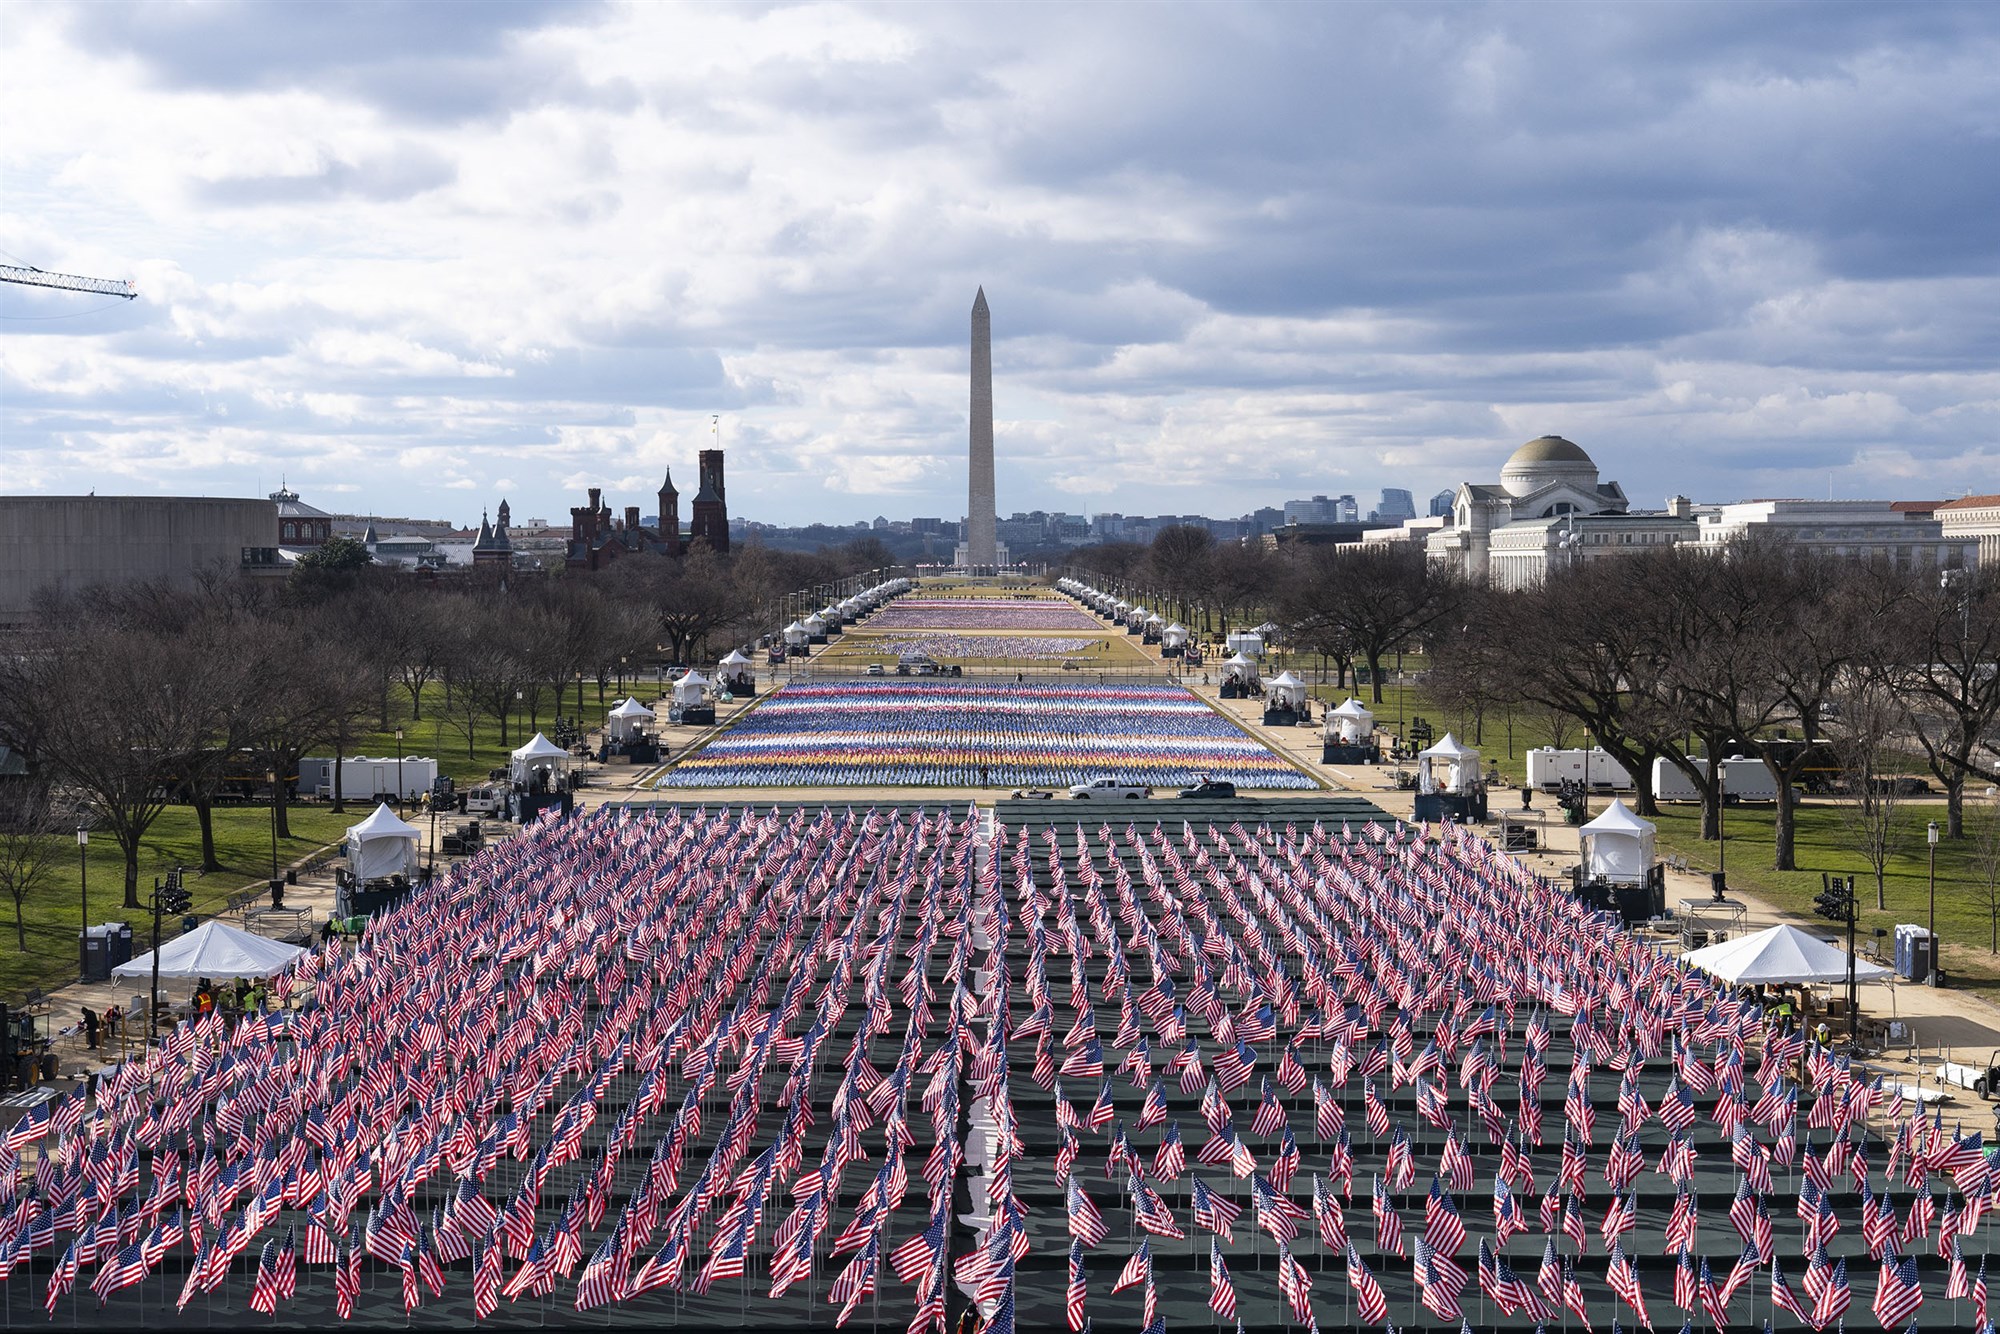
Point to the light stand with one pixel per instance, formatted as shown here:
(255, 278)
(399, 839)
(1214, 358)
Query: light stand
(1931, 835)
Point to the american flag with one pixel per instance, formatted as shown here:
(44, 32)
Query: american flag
(1899, 1292)
(1221, 1290)
(1369, 1301)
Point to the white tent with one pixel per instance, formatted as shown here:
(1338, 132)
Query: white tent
(735, 659)
(1780, 954)
(1285, 691)
(1246, 642)
(1449, 766)
(1174, 635)
(1240, 668)
(623, 721)
(795, 635)
(1351, 724)
(540, 754)
(688, 689)
(214, 949)
(1617, 846)
(382, 845)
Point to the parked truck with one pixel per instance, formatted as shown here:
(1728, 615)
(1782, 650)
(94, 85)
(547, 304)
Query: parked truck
(1109, 788)
(1742, 780)
(1595, 769)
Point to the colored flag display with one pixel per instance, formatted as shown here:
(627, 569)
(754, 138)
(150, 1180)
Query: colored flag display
(729, 1067)
(966, 733)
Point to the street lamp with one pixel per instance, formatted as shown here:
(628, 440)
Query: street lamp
(1931, 835)
(277, 890)
(399, 771)
(83, 875)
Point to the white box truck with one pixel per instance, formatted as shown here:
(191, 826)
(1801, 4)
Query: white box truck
(1670, 784)
(1594, 768)
(1742, 780)
(1749, 780)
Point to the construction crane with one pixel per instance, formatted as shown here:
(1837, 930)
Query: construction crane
(69, 282)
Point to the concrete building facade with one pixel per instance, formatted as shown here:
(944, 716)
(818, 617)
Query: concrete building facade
(1973, 518)
(1902, 534)
(73, 542)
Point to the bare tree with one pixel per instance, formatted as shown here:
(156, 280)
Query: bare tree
(115, 712)
(1986, 859)
(30, 840)
(1944, 641)
(1378, 599)
(1869, 713)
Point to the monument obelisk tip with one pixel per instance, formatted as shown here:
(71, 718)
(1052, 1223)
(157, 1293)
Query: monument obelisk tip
(979, 301)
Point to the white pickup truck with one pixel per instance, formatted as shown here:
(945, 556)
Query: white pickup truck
(1112, 788)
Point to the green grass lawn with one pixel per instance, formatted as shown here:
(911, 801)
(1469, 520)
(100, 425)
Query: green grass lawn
(242, 844)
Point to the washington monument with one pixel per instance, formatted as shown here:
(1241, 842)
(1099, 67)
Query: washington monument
(982, 552)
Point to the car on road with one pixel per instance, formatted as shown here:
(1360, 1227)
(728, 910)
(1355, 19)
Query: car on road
(1204, 786)
(1034, 794)
(876, 669)
(1110, 788)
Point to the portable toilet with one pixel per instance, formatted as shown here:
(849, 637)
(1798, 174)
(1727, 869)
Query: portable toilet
(1350, 735)
(1448, 782)
(1285, 701)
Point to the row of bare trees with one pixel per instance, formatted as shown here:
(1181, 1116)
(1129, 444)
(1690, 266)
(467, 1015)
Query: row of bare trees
(1766, 650)
(124, 700)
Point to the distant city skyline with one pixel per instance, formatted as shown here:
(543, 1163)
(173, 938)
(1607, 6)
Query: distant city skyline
(412, 256)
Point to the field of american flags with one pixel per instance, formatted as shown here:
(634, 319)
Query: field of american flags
(658, 1066)
(976, 732)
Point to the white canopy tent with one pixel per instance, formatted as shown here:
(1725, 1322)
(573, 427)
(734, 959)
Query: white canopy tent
(1617, 846)
(624, 721)
(1351, 724)
(688, 690)
(795, 635)
(1449, 766)
(1174, 635)
(540, 755)
(1778, 955)
(1247, 643)
(1241, 669)
(215, 949)
(382, 846)
(1285, 691)
(735, 658)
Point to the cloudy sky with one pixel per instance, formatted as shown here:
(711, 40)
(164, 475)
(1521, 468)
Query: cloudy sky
(417, 257)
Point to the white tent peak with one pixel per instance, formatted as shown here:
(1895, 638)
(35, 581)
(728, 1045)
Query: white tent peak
(735, 659)
(384, 823)
(1617, 818)
(1352, 708)
(1287, 679)
(631, 708)
(1450, 748)
(1780, 954)
(541, 748)
(215, 949)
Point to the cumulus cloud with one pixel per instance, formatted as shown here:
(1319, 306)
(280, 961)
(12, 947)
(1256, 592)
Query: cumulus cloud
(1235, 253)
